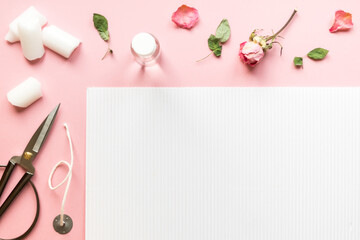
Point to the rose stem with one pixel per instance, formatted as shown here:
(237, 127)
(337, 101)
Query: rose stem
(107, 52)
(205, 57)
(287, 23)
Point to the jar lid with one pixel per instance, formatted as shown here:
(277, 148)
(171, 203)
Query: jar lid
(144, 44)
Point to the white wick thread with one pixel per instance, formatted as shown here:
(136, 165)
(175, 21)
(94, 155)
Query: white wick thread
(68, 176)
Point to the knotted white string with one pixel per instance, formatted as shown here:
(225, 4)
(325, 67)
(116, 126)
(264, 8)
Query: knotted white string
(68, 176)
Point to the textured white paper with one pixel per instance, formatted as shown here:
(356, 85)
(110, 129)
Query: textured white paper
(223, 164)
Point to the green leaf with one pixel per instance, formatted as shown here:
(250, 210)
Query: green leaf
(104, 35)
(318, 53)
(223, 31)
(213, 42)
(298, 61)
(101, 25)
(214, 45)
(217, 51)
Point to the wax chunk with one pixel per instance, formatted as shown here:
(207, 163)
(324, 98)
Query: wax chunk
(28, 14)
(11, 37)
(24, 94)
(31, 39)
(59, 41)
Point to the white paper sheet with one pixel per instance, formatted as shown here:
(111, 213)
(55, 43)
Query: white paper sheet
(223, 164)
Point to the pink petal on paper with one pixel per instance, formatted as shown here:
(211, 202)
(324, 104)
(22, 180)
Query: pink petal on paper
(343, 21)
(185, 17)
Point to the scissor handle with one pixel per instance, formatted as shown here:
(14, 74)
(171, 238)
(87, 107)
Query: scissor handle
(23, 181)
(6, 175)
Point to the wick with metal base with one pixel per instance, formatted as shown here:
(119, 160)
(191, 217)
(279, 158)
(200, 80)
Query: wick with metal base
(62, 222)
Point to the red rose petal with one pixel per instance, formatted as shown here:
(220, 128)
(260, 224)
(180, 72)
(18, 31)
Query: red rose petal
(185, 17)
(343, 21)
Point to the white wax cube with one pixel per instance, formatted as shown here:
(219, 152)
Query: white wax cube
(25, 93)
(59, 41)
(31, 39)
(28, 14)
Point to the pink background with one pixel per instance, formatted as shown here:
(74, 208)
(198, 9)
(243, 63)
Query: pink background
(66, 81)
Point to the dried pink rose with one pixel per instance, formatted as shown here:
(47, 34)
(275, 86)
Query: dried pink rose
(343, 21)
(185, 17)
(251, 53)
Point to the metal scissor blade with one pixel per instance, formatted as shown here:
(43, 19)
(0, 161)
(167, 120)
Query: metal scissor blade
(39, 136)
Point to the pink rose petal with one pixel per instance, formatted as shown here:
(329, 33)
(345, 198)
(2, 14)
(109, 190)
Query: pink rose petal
(185, 17)
(343, 21)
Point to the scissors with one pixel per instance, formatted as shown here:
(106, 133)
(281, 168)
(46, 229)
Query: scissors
(25, 160)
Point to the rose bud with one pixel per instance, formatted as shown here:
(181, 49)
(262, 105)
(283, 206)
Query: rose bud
(251, 53)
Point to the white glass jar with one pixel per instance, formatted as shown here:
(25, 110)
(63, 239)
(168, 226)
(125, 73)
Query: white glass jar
(145, 48)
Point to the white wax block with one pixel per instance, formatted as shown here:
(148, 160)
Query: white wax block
(28, 14)
(59, 41)
(31, 39)
(24, 94)
(10, 37)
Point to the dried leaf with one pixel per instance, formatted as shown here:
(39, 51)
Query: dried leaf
(298, 61)
(318, 53)
(101, 24)
(223, 31)
(214, 45)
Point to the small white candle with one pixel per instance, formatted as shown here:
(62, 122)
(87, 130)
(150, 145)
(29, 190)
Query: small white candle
(59, 41)
(144, 44)
(145, 48)
(30, 13)
(31, 39)
(24, 94)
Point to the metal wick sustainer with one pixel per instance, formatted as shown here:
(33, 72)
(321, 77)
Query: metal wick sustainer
(66, 225)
